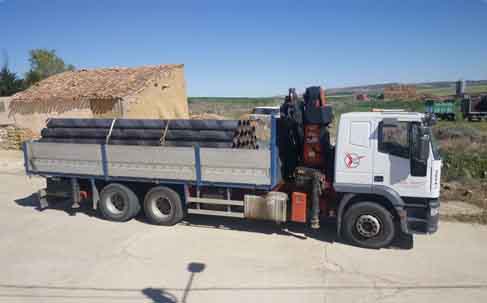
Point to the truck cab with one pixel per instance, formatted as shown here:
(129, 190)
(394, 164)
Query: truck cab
(390, 158)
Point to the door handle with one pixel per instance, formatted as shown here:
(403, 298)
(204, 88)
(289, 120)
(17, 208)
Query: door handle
(378, 178)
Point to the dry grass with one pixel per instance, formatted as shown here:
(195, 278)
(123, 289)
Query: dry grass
(475, 193)
(463, 146)
(229, 108)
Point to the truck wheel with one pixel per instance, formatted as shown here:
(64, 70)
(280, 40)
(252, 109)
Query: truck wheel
(367, 224)
(118, 203)
(163, 206)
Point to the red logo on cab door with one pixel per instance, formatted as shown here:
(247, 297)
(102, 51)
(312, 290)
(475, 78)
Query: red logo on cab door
(352, 160)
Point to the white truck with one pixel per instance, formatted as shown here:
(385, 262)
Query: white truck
(381, 180)
(386, 158)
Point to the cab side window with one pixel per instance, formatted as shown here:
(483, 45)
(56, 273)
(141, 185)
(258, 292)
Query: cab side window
(360, 134)
(394, 139)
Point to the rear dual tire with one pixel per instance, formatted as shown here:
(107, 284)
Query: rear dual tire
(163, 206)
(118, 203)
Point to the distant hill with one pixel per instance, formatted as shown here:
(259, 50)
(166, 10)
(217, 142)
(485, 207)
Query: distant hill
(435, 88)
(377, 88)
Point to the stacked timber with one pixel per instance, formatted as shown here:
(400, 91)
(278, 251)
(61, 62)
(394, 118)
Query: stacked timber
(178, 132)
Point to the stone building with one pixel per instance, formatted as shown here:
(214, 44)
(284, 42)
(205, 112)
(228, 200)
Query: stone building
(157, 92)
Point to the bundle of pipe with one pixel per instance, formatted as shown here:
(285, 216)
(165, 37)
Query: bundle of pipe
(245, 136)
(205, 133)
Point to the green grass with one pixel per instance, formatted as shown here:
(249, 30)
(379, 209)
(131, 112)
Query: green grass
(228, 107)
(447, 91)
(236, 100)
(364, 106)
(340, 98)
(481, 126)
(476, 89)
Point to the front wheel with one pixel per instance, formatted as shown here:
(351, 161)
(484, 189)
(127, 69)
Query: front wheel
(369, 225)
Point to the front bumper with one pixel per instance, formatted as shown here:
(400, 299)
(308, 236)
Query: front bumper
(422, 218)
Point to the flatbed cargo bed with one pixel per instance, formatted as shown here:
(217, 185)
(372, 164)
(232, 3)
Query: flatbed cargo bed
(203, 166)
(229, 167)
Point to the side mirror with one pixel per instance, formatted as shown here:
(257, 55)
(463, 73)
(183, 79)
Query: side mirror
(420, 154)
(423, 148)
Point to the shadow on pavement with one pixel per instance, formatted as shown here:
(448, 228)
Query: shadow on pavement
(300, 231)
(327, 232)
(29, 201)
(164, 295)
(61, 204)
(76, 294)
(157, 295)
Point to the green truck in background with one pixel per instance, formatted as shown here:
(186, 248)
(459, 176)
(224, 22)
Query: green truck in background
(444, 110)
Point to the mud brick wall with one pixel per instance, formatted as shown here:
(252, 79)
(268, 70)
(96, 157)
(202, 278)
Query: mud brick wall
(11, 137)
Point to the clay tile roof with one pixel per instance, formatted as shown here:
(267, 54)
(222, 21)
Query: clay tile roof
(97, 84)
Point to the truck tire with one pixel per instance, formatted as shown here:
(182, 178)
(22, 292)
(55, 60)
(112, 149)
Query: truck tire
(118, 203)
(369, 225)
(163, 206)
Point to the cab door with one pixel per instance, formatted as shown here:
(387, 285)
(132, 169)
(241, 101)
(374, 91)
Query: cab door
(354, 157)
(393, 160)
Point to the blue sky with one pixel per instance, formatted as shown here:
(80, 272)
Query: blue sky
(258, 48)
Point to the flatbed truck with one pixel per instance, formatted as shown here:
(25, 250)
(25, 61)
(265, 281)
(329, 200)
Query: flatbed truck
(381, 181)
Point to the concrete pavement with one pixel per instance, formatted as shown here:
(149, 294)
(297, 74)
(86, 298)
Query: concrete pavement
(54, 256)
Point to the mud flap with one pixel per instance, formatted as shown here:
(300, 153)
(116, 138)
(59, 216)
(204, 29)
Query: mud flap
(404, 241)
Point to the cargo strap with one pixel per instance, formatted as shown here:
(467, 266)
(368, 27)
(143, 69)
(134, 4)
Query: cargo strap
(110, 131)
(163, 138)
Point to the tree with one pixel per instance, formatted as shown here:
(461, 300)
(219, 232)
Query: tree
(9, 82)
(44, 63)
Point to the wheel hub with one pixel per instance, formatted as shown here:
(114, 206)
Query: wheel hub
(164, 206)
(116, 203)
(368, 226)
(161, 206)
